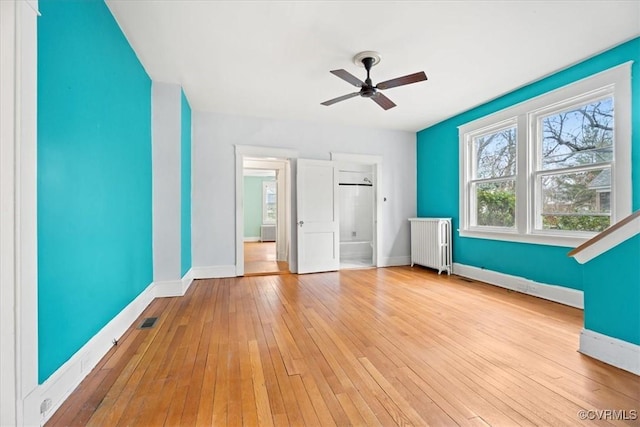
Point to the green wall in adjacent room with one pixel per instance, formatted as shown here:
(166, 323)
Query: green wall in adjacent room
(253, 204)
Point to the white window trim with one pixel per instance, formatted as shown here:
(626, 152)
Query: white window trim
(619, 78)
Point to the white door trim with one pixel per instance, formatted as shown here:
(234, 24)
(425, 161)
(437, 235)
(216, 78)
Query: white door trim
(243, 151)
(18, 195)
(376, 163)
(8, 391)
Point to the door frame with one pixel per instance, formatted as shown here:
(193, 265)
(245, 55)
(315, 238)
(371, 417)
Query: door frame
(18, 219)
(264, 153)
(376, 164)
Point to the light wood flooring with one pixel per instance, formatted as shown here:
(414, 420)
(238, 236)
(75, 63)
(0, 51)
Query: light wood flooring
(260, 259)
(389, 346)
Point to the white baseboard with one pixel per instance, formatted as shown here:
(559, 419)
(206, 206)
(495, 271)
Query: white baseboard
(64, 380)
(395, 261)
(174, 288)
(566, 296)
(621, 354)
(187, 280)
(168, 288)
(214, 272)
(252, 239)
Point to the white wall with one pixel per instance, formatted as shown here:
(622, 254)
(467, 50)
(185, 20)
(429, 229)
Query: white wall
(214, 138)
(165, 134)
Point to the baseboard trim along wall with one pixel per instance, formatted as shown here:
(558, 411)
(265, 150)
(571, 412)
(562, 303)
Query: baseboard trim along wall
(621, 354)
(252, 239)
(395, 261)
(566, 296)
(47, 397)
(174, 288)
(214, 272)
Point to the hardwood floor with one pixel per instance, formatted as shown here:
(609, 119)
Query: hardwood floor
(260, 259)
(391, 346)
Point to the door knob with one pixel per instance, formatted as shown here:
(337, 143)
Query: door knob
(300, 223)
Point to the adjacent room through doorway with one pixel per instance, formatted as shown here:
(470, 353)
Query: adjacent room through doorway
(264, 250)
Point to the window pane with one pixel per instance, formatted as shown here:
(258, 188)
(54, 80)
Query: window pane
(580, 136)
(270, 202)
(576, 201)
(496, 203)
(495, 154)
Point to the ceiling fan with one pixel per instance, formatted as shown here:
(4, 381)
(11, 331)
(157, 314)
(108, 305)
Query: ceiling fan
(367, 90)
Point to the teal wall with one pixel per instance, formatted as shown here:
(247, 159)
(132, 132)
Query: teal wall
(185, 184)
(253, 204)
(94, 176)
(612, 292)
(438, 177)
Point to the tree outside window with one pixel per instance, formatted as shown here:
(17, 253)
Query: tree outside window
(575, 167)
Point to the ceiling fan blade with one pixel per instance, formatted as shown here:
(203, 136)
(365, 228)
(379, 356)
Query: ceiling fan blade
(348, 77)
(400, 81)
(340, 98)
(383, 101)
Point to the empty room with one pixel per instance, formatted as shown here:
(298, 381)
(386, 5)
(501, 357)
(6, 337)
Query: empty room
(319, 213)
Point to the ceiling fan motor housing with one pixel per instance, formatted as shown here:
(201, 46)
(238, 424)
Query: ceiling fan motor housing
(368, 90)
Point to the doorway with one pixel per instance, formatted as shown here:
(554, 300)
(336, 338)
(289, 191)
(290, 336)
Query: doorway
(261, 197)
(263, 217)
(360, 203)
(338, 229)
(356, 200)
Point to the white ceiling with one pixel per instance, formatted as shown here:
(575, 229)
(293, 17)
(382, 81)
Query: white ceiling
(272, 58)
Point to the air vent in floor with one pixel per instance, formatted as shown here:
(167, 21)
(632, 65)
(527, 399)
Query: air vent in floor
(148, 323)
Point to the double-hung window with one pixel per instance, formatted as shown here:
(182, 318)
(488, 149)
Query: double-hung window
(552, 170)
(492, 182)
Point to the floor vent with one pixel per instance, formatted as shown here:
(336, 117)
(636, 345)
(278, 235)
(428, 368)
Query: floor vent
(148, 323)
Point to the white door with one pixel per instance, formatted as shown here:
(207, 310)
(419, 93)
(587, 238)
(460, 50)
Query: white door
(318, 228)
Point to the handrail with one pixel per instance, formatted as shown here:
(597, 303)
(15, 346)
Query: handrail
(606, 233)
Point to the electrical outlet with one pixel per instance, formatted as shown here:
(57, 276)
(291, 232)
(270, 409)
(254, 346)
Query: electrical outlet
(45, 405)
(353, 234)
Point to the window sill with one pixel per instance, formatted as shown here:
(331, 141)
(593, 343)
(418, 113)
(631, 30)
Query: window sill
(536, 239)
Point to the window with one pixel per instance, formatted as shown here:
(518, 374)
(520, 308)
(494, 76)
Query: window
(493, 190)
(269, 200)
(575, 155)
(553, 170)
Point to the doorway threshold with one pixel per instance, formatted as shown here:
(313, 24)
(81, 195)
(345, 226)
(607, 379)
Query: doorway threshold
(266, 268)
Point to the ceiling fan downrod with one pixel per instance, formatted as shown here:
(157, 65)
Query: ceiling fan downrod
(367, 90)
